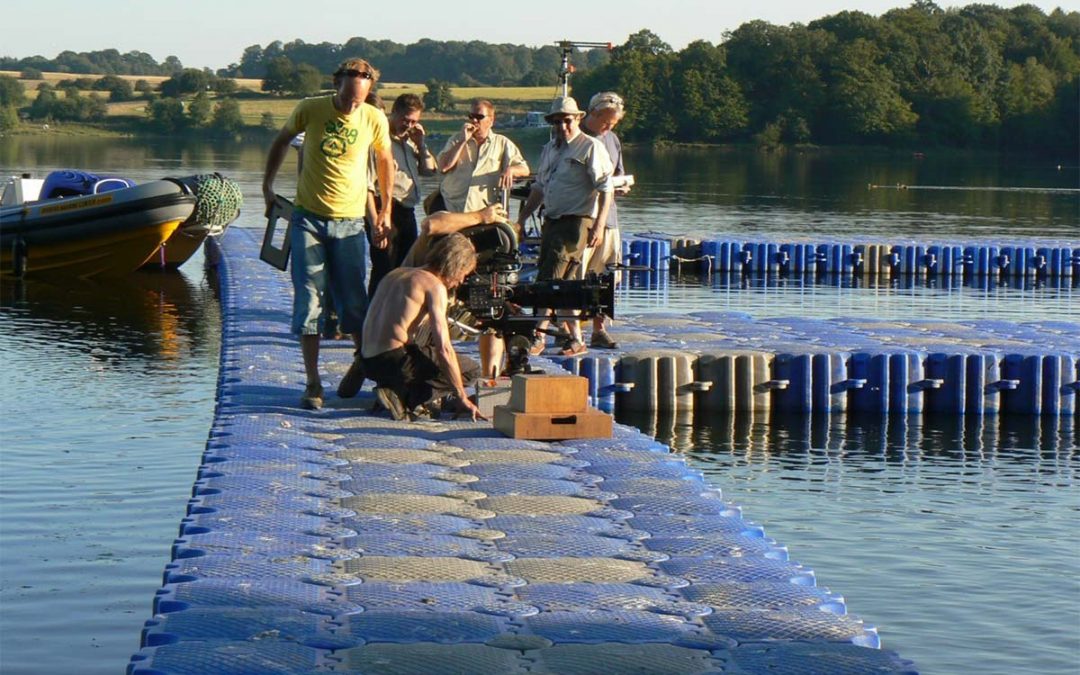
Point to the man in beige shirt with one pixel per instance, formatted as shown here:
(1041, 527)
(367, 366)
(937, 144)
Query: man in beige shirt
(574, 184)
(476, 162)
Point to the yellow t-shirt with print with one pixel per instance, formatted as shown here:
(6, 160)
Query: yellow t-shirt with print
(334, 181)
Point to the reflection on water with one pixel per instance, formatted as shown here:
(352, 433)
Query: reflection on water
(955, 536)
(129, 157)
(107, 399)
(146, 315)
(747, 192)
(830, 296)
(892, 438)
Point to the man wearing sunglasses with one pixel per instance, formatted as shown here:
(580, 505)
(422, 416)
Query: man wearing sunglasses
(476, 162)
(574, 184)
(329, 248)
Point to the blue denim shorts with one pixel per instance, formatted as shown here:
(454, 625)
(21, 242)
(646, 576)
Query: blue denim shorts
(327, 254)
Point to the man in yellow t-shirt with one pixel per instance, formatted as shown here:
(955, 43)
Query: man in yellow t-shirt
(329, 249)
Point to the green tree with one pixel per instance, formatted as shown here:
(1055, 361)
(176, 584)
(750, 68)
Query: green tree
(865, 101)
(143, 87)
(224, 86)
(1027, 88)
(166, 114)
(187, 81)
(1028, 104)
(711, 103)
(227, 118)
(119, 89)
(779, 70)
(646, 42)
(306, 80)
(199, 110)
(279, 76)
(438, 97)
(11, 92)
(268, 122)
(31, 74)
(538, 78)
(41, 108)
(9, 117)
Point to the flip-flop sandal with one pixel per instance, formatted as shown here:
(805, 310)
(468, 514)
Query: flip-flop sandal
(574, 348)
(538, 345)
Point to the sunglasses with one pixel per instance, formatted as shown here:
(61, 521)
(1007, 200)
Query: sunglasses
(476, 118)
(352, 72)
(560, 121)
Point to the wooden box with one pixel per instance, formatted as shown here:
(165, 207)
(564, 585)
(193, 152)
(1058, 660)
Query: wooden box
(552, 426)
(549, 394)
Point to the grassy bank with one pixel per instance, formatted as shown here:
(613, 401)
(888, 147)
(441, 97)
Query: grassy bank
(256, 106)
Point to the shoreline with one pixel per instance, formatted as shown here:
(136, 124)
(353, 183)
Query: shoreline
(254, 133)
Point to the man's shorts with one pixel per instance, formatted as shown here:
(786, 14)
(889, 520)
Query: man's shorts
(608, 253)
(413, 373)
(327, 254)
(562, 245)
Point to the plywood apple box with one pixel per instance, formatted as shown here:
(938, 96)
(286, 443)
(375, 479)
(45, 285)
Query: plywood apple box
(551, 407)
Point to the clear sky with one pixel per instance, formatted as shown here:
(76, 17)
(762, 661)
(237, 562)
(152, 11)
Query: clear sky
(214, 33)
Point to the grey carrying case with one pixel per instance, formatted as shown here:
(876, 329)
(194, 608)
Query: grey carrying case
(278, 256)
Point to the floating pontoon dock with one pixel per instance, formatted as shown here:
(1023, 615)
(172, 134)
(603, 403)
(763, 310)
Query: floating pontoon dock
(340, 541)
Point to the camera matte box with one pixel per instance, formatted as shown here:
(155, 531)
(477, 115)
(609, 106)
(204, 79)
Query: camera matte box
(552, 426)
(549, 394)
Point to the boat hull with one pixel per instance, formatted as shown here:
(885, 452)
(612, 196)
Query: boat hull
(107, 234)
(178, 248)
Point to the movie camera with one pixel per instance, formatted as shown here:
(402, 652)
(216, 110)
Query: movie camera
(497, 299)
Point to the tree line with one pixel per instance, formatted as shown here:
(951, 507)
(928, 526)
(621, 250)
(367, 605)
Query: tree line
(978, 76)
(974, 77)
(102, 62)
(180, 103)
(464, 64)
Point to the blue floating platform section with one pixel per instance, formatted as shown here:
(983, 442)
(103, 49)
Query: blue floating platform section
(717, 361)
(341, 541)
(1035, 258)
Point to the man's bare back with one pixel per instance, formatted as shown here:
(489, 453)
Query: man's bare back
(398, 308)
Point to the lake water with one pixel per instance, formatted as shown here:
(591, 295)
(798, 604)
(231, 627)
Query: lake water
(957, 538)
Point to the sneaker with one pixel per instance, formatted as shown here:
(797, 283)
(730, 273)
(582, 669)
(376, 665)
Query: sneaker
(602, 340)
(391, 401)
(312, 398)
(353, 380)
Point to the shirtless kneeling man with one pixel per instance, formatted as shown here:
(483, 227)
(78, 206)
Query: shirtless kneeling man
(408, 374)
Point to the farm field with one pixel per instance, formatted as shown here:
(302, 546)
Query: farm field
(510, 102)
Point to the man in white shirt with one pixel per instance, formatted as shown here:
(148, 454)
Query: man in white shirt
(574, 184)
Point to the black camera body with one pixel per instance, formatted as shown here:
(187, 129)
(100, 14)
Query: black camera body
(499, 301)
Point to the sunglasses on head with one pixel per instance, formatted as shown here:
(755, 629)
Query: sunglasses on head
(353, 72)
